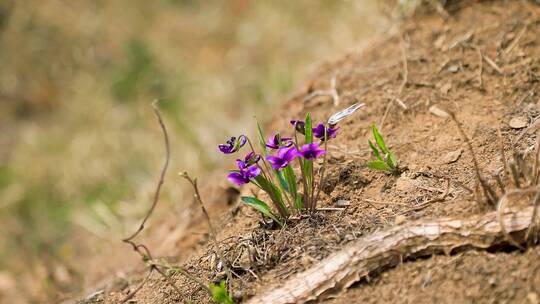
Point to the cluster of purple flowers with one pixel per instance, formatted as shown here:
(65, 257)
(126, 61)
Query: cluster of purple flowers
(286, 151)
(291, 189)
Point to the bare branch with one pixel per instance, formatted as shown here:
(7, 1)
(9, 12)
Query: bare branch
(161, 177)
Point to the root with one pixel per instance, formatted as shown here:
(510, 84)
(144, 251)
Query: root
(376, 252)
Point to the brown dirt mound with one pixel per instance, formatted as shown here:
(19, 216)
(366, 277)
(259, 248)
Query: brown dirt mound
(483, 63)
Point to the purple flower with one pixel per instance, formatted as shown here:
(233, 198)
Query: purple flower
(249, 160)
(244, 174)
(311, 151)
(233, 144)
(277, 142)
(299, 125)
(318, 132)
(283, 157)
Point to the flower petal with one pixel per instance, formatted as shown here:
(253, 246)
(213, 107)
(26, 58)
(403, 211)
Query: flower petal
(299, 125)
(290, 154)
(319, 153)
(237, 178)
(311, 151)
(252, 171)
(241, 164)
(272, 159)
(242, 139)
(275, 161)
(273, 142)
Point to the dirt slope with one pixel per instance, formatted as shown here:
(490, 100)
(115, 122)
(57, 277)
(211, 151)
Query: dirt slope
(483, 63)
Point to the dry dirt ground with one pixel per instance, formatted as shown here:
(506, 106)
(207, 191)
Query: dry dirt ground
(482, 62)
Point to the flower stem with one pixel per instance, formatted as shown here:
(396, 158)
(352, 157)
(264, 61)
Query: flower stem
(323, 167)
(313, 202)
(305, 201)
(269, 177)
(265, 165)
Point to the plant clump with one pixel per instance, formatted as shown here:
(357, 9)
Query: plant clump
(386, 159)
(285, 168)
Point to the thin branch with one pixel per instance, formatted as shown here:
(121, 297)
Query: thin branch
(134, 292)
(383, 119)
(321, 177)
(161, 177)
(481, 66)
(183, 272)
(503, 154)
(198, 198)
(332, 92)
(405, 66)
(514, 42)
(141, 249)
(493, 64)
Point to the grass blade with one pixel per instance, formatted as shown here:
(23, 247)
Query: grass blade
(275, 195)
(283, 181)
(375, 150)
(378, 165)
(261, 138)
(290, 177)
(379, 140)
(260, 206)
(309, 129)
(392, 160)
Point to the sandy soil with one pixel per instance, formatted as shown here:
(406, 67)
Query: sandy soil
(481, 62)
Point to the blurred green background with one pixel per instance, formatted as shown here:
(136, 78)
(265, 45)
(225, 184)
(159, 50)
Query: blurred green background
(79, 146)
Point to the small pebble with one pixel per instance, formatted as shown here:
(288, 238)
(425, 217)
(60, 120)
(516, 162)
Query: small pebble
(400, 219)
(445, 88)
(518, 122)
(438, 111)
(451, 157)
(532, 297)
(348, 237)
(343, 203)
(453, 68)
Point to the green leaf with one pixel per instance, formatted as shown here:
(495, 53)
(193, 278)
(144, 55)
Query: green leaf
(283, 181)
(307, 171)
(274, 193)
(298, 202)
(379, 139)
(290, 177)
(375, 150)
(278, 198)
(291, 181)
(308, 129)
(378, 165)
(260, 206)
(392, 161)
(220, 294)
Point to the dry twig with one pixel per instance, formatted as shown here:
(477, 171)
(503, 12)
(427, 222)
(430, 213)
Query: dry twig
(332, 92)
(405, 66)
(141, 249)
(493, 64)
